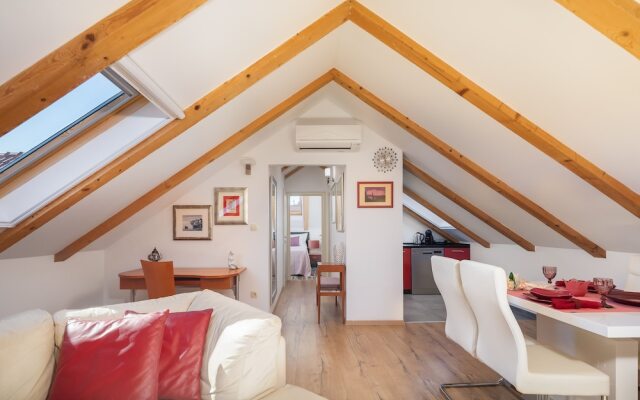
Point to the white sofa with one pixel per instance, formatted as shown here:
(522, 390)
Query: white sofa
(244, 355)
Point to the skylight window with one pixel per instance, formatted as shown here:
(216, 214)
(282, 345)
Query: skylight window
(66, 118)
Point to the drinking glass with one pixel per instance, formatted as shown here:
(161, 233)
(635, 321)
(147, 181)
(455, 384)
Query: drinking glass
(603, 287)
(549, 273)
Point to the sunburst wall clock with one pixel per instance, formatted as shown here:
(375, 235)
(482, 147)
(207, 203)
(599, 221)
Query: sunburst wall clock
(385, 159)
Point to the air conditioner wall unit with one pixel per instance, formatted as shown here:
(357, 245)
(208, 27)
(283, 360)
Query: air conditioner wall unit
(334, 134)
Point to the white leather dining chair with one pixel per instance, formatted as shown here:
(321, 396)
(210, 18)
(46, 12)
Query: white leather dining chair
(531, 368)
(460, 325)
(633, 275)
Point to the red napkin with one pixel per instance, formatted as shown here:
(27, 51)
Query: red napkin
(564, 304)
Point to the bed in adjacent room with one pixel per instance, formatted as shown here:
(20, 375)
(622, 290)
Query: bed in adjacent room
(299, 254)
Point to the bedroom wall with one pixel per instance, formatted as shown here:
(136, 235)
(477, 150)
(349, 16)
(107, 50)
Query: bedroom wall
(373, 235)
(75, 283)
(571, 263)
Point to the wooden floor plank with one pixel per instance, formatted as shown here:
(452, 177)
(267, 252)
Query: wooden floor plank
(356, 362)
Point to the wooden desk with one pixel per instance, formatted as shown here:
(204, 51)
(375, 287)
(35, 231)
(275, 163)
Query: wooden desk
(203, 278)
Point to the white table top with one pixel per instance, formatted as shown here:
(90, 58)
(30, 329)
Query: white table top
(617, 325)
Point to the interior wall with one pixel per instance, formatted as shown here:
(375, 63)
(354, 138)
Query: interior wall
(38, 282)
(571, 263)
(373, 235)
(410, 226)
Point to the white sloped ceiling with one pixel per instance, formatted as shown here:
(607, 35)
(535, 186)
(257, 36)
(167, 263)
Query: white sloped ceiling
(534, 55)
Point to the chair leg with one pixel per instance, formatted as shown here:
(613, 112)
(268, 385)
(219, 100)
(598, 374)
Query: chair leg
(499, 382)
(319, 309)
(336, 300)
(344, 308)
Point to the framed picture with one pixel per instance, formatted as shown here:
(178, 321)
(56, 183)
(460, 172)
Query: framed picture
(339, 203)
(192, 222)
(375, 194)
(295, 205)
(230, 206)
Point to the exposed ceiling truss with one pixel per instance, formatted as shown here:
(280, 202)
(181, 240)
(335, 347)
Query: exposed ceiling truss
(85, 55)
(412, 51)
(619, 20)
(465, 204)
(455, 223)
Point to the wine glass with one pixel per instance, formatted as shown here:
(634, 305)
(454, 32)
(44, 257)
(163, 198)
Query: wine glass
(549, 273)
(603, 287)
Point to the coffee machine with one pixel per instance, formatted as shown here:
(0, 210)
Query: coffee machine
(428, 237)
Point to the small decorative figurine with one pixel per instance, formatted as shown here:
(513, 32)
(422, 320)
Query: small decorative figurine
(154, 255)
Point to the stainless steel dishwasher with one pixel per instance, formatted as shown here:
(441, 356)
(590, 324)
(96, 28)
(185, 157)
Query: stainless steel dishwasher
(422, 281)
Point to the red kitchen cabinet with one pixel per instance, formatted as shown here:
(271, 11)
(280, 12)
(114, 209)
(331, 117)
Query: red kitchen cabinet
(406, 270)
(458, 253)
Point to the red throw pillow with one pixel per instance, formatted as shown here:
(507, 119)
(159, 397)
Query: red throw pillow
(114, 359)
(181, 355)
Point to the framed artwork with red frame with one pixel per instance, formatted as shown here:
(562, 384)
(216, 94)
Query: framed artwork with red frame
(375, 194)
(230, 206)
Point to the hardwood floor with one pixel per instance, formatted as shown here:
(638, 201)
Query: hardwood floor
(372, 362)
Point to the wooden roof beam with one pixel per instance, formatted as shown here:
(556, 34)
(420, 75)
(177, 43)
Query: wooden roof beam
(473, 210)
(446, 217)
(85, 55)
(193, 114)
(293, 171)
(471, 167)
(430, 225)
(619, 20)
(192, 168)
(492, 106)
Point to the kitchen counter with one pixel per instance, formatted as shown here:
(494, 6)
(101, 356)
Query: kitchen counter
(439, 245)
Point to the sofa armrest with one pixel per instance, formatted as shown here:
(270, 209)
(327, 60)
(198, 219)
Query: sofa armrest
(281, 364)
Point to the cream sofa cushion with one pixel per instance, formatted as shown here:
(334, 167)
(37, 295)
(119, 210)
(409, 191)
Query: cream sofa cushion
(179, 302)
(26, 356)
(241, 350)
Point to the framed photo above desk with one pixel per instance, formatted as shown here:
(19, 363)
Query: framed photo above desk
(192, 222)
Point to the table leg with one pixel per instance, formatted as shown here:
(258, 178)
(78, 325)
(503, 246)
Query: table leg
(617, 358)
(132, 295)
(236, 287)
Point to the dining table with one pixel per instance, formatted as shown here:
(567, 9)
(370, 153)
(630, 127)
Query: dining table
(606, 338)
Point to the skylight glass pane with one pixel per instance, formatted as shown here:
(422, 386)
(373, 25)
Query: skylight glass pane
(57, 118)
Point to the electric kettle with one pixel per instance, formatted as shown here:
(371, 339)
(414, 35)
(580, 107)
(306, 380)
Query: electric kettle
(419, 238)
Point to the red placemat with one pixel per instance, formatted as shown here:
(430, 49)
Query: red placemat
(617, 307)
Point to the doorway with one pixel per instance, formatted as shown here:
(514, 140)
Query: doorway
(307, 225)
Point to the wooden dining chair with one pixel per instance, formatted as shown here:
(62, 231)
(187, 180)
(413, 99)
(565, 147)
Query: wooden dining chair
(158, 277)
(331, 286)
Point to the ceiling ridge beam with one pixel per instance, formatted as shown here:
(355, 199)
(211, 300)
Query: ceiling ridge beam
(471, 167)
(102, 44)
(619, 20)
(456, 224)
(293, 171)
(492, 106)
(193, 114)
(430, 224)
(195, 166)
(468, 206)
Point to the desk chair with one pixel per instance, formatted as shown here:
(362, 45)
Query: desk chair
(331, 286)
(158, 277)
(531, 368)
